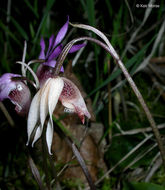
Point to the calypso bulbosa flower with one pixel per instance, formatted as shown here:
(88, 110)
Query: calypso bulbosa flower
(44, 103)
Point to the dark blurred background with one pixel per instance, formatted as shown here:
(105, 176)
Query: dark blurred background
(136, 30)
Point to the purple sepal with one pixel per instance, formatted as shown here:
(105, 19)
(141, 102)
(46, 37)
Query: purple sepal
(53, 42)
(55, 53)
(75, 48)
(61, 34)
(42, 45)
(50, 48)
(45, 70)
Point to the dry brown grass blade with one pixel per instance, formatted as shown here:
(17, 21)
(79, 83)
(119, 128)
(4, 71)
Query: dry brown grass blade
(133, 36)
(36, 173)
(123, 159)
(155, 45)
(83, 166)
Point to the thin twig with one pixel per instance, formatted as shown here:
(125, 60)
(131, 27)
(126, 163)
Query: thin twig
(44, 155)
(157, 59)
(36, 173)
(137, 158)
(148, 30)
(140, 130)
(23, 59)
(130, 12)
(83, 166)
(73, 157)
(65, 166)
(34, 61)
(79, 158)
(156, 73)
(58, 187)
(154, 168)
(78, 55)
(32, 72)
(152, 163)
(132, 84)
(109, 104)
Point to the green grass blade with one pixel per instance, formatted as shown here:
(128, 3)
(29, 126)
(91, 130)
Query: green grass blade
(34, 10)
(130, 62)
(108, 129)
(110, 10)
(91, 12)
(6, 29)
(116, 27)
(66, 131)
(19, 28)
(5, 64)
(83, 4)
(49, 5)
(90, 8)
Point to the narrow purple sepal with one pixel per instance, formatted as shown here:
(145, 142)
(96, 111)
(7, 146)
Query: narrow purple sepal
(61, 34)
(62, 69)
(51, 63)
(42, 45)
(76, 48)
(45, 71)
(51, 44)
(55, 53)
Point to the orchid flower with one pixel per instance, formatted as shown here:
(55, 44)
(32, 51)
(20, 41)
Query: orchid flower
(44, 102)
(16, 91)
(45, 70)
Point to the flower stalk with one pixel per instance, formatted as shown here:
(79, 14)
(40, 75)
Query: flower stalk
(108, 47)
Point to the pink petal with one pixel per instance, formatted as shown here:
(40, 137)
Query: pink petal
(7, 85)
(71, 98)
(21, 97)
